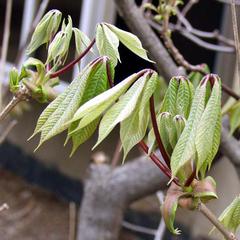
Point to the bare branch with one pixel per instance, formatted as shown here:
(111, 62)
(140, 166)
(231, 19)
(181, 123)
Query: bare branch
(41, 10)
(6, 34)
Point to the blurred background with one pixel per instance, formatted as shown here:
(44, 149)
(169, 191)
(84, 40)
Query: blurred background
(44, 188)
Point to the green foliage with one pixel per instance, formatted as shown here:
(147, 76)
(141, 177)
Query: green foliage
(107, 44)
(13, 80)
(45, 29)
(193, 143)
(230, 217)
(58, 48)
(130, 41)
(234, 113)
(136, 124)
(81, 40)
(55, 118)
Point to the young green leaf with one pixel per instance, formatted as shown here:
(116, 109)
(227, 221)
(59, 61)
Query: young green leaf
(209, 129)
(96, 106)
(130, 41)
(122, 109)
(81, 40)
(13, 80)
(230, 217)
(59, 47)
(179, 122)
(45, 29)
(107, 44)
(184, 97)
(136, 124)
(169, 101)
(82, 135)
(55, 118)
(96, 86)
(184, 150)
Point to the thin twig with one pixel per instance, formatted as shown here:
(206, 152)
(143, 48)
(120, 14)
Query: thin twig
(236, 37)
(72, 221)
(41, 10)
(116, 154)
(71, 64)
(7, 130)
(7, 25)
(157, 161)
(157, 134)
(237, 2)
(213, 219)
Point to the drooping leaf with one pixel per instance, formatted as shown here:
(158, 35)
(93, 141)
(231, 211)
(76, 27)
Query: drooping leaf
(209, 130)
(82, 135)
(45, 29)
(59, 47)
(96, 106)
(136, 124)
(81, 40)
(179, 123)
(107, 44)
(122, 109)
(185, 150)
(55, 118)
(205, 189)
(230, 217)
(130, 41)
(96, 86)
(170, 206)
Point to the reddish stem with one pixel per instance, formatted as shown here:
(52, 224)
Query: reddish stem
(190, 179)
(157, 134)
(71, 64)
(157, 161)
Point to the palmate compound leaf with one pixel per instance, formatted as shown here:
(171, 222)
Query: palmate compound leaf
(136, 124)
(122, 109)
(185, 150)
(97, 85)
(130, 41)
(107, 43)
(55, 118)
(230, 217)
(209, 130)
(92, 109)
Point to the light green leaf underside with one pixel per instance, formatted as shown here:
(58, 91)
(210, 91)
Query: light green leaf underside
(107, 44)
(48, 26)
(83, 134)
(230, 217)
(96, 106)
(209, 130)
(130, 41)
(55, 118)
(185, 150)
(136, 124)
(81, 40)
(122, 109)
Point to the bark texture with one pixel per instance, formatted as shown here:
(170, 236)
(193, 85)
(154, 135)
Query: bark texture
(108, 192)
